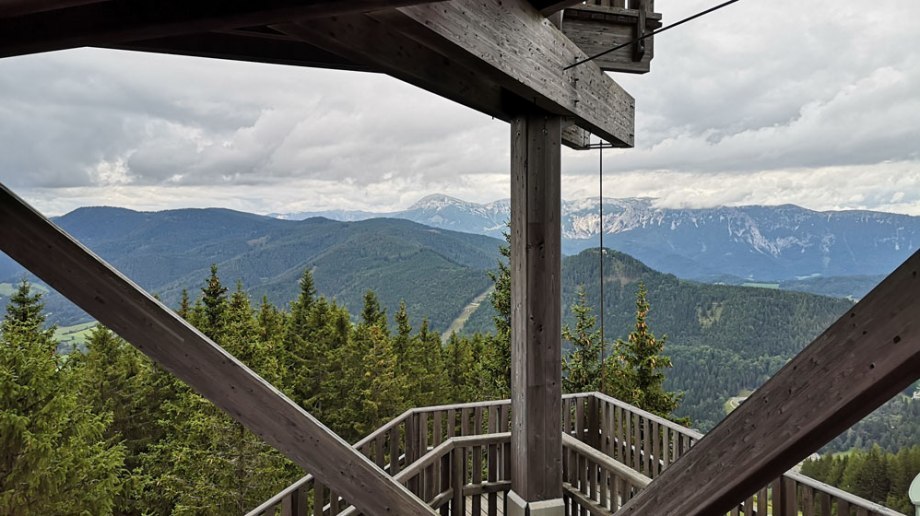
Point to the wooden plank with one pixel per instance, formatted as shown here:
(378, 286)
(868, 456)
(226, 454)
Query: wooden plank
(116, 302)
(500, 58)
(536, 312)
(119, 21)
(240, 47)
(10, 8)
(547, 7)
(861, 361)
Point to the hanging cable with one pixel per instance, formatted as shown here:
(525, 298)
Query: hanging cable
(650, 34)
(600, 223)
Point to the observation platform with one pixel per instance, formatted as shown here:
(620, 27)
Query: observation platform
(456, 459)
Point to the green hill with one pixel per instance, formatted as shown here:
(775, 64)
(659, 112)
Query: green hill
(721, 339)
(437, 272)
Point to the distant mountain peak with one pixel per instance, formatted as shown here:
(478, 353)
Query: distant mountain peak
(435, 201)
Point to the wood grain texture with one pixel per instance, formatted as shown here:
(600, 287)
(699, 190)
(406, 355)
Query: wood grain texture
(119, 21)
(238, 46)
(535, 316)
(113, 300)
(519, 49)
(858, 363)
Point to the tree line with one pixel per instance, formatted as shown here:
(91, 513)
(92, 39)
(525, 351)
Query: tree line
(873, 474)
(107, 431)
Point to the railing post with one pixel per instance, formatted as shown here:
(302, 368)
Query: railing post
(458, 462)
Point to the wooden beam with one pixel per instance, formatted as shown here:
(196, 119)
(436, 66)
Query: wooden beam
(596, 29)
(858, 363)
(576, 138)
(503, 53)
(536, 349)
(119, 21)
(548, 7)
(10, 8)
(521, 50)
(241, 46)
(113, 300)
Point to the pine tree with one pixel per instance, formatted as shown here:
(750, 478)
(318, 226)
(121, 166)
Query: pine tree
(498, 355)
(635, 371)
(214, 298)
(184, 307)
(371, 313)
(427, 384)
(209, 463)
(53, 455)
(582, 368)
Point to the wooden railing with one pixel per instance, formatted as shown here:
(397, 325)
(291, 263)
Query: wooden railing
(594, 482)
(457, 457)
(650, 444)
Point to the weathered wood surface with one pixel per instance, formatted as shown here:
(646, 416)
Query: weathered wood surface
(526, 54)
(861, 361)
(119, 21)
(597, 29)
(113, 300)
(536, 369)
(242, 46)
(491, 56)
(548, 7)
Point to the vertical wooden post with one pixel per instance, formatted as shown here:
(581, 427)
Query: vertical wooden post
(536, 440)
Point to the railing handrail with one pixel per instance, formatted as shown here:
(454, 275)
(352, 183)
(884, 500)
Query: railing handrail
(841, 494)
(448, 446)
(606, 461)
(689, 432)
(279, 497)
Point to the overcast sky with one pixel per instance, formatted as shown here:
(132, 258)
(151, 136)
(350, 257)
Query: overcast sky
(813, 103)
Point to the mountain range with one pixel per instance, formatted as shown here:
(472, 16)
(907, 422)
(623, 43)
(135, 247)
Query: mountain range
(168, 251)
(723, 339)
(734, 245)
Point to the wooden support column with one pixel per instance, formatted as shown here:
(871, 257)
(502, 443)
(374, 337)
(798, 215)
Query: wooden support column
(536, 442)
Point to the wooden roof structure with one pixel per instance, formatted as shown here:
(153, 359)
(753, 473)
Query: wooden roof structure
(505, 58)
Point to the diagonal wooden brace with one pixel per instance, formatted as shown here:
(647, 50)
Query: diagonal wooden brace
(861, 361)
(100, 290)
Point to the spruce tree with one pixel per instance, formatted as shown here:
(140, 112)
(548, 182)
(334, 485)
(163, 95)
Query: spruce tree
(636, 368)
(582, 367)
(53, 455)
(498, 354)
(214, 298)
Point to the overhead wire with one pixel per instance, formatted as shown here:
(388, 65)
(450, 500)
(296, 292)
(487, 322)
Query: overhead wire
(650, 34)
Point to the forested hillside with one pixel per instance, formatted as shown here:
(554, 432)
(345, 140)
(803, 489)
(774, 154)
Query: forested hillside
(722, 339)
(893, 426)
(872, 473)
(167, 251)
(106, 431)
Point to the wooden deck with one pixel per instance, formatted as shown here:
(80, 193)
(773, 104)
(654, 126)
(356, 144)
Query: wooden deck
(611, 452)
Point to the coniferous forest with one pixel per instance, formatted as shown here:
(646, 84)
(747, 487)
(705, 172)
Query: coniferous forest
(105, 430)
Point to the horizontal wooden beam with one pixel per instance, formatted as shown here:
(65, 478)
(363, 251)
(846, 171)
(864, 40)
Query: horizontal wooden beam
(113, 300)
(523, 52)
(242, 46)
(548, 7)
(861, 361)
(19, 7)
(119, 21)
(501, 58)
